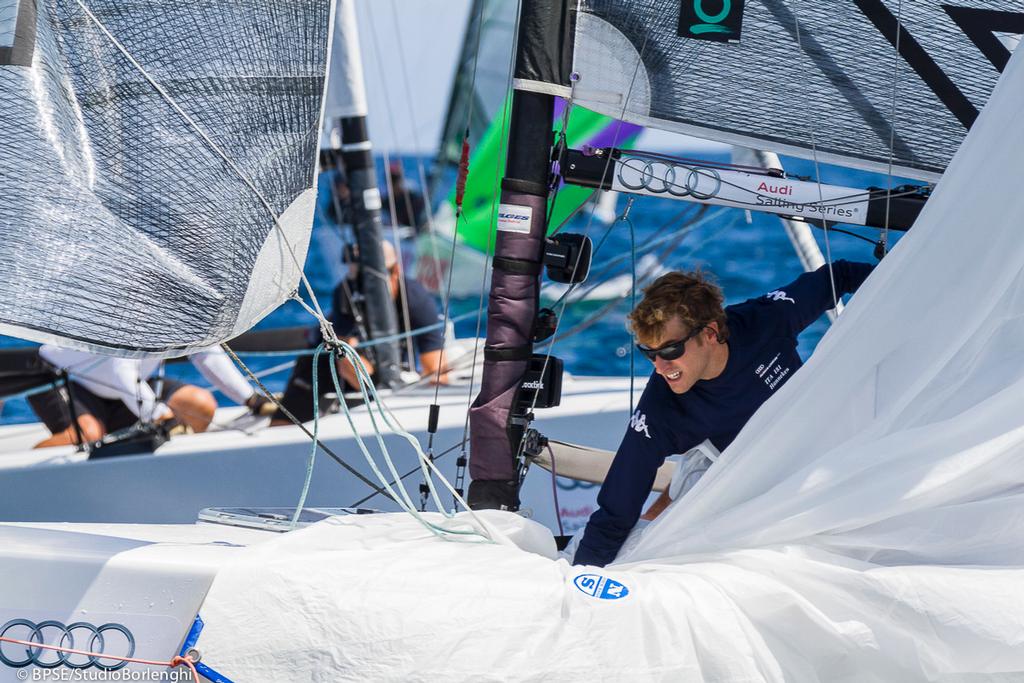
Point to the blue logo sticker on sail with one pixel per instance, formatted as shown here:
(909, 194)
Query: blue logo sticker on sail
(601, 587)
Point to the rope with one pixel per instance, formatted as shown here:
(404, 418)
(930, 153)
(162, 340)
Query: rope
(632, 299)
(892, 125)
(294, 420)
(403, 298)
(376, 409)
(817, 173)
(554, 490)
(316, 433)
(424, 186)
(175, 661)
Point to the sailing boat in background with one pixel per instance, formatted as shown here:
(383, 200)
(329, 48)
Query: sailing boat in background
(478, 114)
(243, 466)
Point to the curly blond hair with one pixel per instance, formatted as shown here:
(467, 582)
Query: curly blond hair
(692, 296)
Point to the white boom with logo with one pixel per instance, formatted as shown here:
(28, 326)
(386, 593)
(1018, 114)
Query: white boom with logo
(727, 187)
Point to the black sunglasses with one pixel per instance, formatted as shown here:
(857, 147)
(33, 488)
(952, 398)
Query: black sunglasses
(669, 351)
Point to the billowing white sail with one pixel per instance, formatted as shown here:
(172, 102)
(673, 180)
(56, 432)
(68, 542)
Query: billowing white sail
(157, 168)
(861, 83)
(866, 525)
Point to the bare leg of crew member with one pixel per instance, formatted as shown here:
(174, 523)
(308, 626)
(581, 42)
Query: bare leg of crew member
(90, 428)
(193, 406)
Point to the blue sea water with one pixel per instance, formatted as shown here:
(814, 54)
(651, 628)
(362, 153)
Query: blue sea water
(748, 253)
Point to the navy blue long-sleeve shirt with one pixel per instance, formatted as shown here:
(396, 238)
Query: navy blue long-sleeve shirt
(762, 357)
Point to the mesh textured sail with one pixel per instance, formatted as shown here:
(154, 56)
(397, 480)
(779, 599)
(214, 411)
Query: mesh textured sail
(810, 78)
(125, 227)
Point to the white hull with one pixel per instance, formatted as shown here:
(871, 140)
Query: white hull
(267, 467)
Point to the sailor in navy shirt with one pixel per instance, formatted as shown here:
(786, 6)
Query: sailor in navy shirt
(732, 360)
(411, 300)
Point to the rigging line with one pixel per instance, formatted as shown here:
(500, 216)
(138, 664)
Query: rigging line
(403, 295)
(316, 435)
(408, 474)
(722, 165)
(424, 188)
(387, 180)
(570, 289)
(591, 320)
(506, 112)
(365, 383)
(575, 212)
(560, 148)
(554, 490)
(892, 120)
(606, 267)
(817, 173)
(287, 413)
(586, 230)
(463, 169)
(373, 342)
(354, 308)
(844, 232)
(222, 154)
(650, 247)
(632, 299)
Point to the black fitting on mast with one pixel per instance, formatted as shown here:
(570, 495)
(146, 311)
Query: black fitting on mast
(381, 317)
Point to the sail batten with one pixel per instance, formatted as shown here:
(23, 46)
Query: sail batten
(872, 84)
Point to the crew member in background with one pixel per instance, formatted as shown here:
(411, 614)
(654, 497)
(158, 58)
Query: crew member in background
(413, 299)
(410, 208)
(713, 368)
(110, 394)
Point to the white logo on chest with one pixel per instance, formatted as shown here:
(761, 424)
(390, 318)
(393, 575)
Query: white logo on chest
(778, 295)
(638, 422)
(772, 372)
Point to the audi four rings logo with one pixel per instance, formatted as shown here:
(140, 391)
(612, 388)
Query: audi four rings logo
(659, 177)
(108, 639)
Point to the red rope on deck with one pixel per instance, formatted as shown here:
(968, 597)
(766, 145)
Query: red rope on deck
(177, 661)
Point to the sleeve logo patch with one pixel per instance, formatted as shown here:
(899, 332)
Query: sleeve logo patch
(779, 295)
(600, 587)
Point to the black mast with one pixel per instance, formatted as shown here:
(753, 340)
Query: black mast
(381, 318)
(497, 417)
(347, 103)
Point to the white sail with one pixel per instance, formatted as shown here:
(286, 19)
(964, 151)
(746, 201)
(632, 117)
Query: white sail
(865, 526)
(158, 167)
(346, 91)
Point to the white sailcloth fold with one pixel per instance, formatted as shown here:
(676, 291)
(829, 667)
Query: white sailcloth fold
(867, 525)
(908, 403)
(346, 92)
(158, 167)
